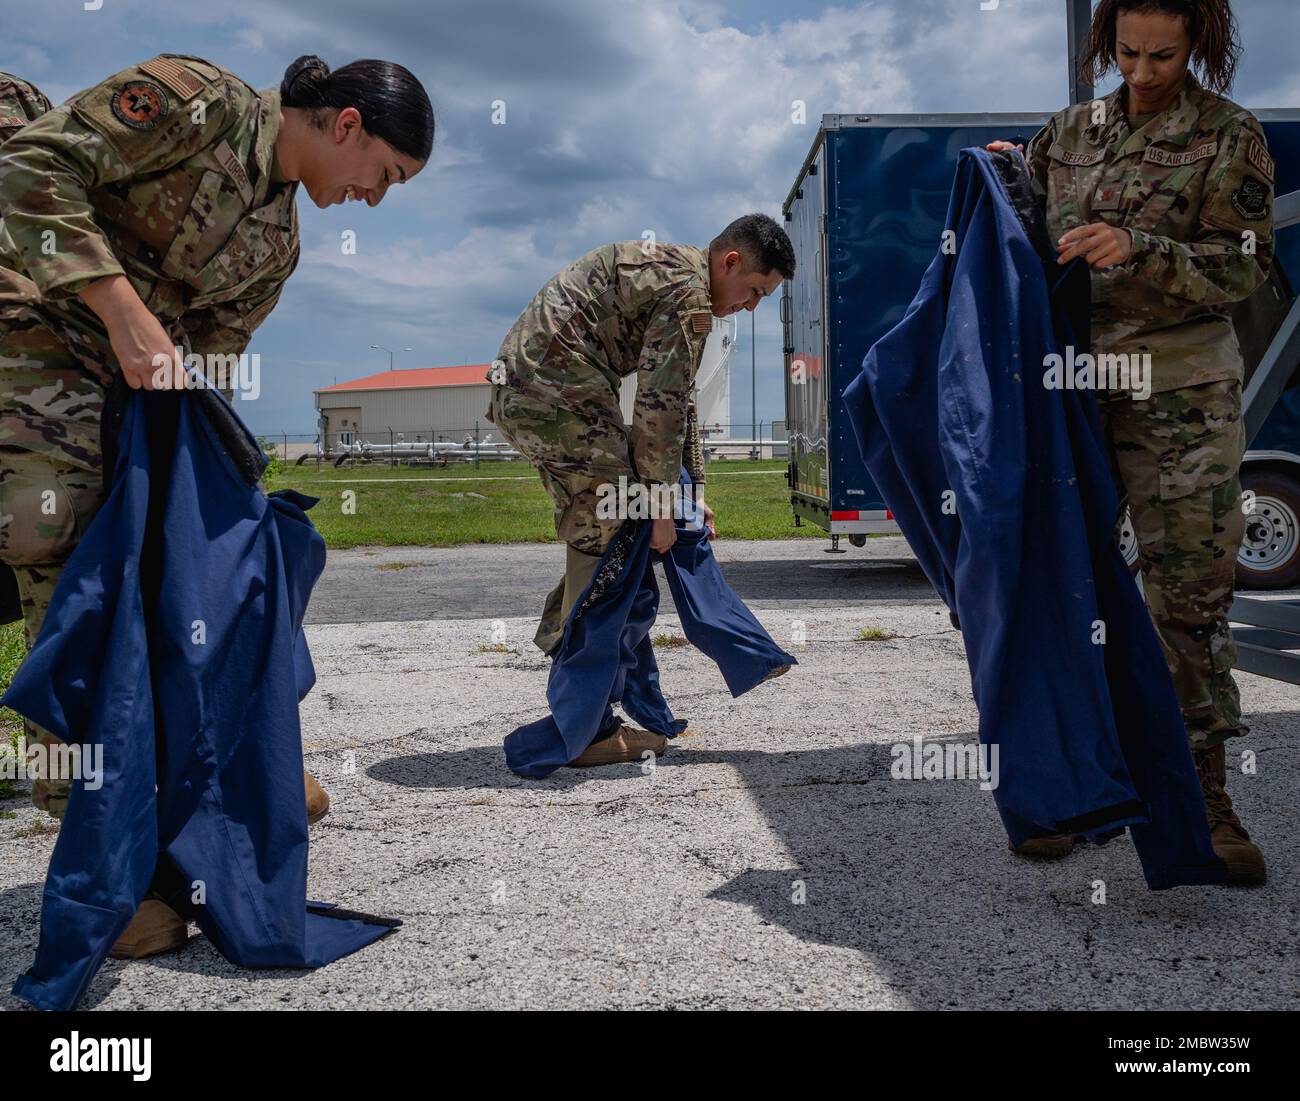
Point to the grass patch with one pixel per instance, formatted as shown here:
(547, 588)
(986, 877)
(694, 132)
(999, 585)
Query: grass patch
(12, 651)
(874, 634)
(378, 505)
(40, 827)
(667, 641)
(495, 648)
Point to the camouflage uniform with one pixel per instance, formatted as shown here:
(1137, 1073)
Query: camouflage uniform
(623, 308)
(20, 102)
(166, 173)
(1194, 188)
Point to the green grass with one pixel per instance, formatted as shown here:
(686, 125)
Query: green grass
(875, 634)
(667, 641)
(12, 652)
(504, 503)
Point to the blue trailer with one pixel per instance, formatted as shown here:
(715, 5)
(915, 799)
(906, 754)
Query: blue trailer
(866, 214)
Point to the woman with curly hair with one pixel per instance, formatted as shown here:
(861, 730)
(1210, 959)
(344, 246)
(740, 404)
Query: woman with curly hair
(1165, 188)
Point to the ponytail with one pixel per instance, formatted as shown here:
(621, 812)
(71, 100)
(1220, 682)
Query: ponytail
(393, 104)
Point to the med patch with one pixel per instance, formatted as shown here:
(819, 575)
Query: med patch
(140, 104)
(1250, 200)
(1258, 156)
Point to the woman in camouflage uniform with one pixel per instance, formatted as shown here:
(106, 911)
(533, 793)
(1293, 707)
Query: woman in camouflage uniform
(1166, 189)
(152, 212)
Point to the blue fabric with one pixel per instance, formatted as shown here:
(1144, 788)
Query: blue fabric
(211, 720)
(1090, 737)
(605, 655)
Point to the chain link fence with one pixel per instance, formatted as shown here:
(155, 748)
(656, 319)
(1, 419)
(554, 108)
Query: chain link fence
(482, 443)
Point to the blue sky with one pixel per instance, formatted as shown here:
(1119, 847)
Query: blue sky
(621, 116)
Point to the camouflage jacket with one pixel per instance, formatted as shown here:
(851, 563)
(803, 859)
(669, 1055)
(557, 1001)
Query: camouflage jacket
(164, 172)
(633, 306)
(1194, 188)
(20, 103)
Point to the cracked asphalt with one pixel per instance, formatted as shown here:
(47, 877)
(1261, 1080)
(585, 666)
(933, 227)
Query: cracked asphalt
(768, 861)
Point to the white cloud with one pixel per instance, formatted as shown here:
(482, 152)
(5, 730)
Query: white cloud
(623, 117)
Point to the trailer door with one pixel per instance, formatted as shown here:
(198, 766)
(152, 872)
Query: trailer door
(803, 316)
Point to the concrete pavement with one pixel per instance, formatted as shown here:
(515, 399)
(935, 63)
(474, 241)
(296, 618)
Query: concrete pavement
(768, 861)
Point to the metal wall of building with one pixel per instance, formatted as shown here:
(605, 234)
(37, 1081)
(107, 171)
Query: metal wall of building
(440, 409)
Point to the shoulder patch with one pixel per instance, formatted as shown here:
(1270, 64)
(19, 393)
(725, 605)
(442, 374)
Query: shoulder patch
(1258, 156)
(1250, 200)
(140, 104)
(235, 170)
(701, 321)
(1176, 160)
(184, 83)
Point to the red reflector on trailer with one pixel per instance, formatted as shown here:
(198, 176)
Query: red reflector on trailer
(846, 516)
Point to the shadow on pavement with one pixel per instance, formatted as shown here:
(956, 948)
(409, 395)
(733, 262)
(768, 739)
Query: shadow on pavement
(917, 875)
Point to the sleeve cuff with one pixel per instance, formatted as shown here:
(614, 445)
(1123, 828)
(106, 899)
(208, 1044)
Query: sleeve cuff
(68, 284)
(1141, 251)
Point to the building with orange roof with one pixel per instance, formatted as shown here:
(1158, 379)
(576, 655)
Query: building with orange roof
(418, 405)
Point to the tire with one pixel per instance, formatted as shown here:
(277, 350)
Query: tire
(858, 540)
(1270, 552)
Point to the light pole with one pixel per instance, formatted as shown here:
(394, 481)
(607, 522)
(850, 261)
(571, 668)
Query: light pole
(1078, 16)
(753, 387)
(381, 348)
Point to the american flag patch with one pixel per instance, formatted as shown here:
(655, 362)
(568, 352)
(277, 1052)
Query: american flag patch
(701, 321)
(179, 80)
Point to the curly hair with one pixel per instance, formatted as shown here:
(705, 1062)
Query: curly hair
(1216, 49)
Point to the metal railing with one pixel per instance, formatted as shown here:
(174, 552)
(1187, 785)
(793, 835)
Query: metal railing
(482, 442)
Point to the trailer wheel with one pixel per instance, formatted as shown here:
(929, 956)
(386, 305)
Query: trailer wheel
(858, 540)
(1128, 544)
(1270, 552)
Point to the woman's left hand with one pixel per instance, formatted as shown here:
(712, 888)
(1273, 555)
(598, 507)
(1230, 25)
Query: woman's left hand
(1101, 245)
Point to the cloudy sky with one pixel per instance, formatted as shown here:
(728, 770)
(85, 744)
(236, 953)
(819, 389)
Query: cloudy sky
(621, 116)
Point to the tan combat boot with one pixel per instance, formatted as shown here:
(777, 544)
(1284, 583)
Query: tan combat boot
(156, 928)
(1231, 842)
(318, 800)
(1052, 846)
(627, 745)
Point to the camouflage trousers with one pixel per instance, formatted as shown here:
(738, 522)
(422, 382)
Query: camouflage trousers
(574, 455)
(51, 483)
(1176, 460)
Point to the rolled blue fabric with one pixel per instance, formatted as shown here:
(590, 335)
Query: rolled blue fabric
(174, 641)
(951, 406)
